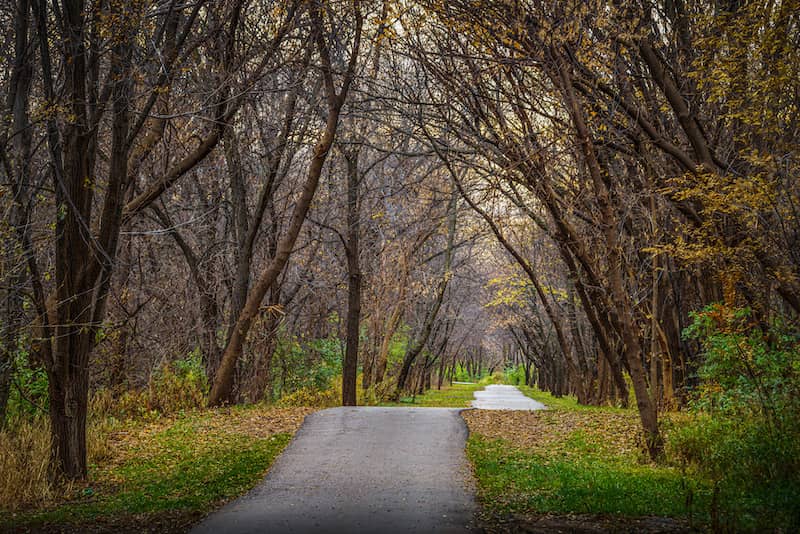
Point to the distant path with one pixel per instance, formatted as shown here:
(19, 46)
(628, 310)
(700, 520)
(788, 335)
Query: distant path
(499, 397)
(365, 470)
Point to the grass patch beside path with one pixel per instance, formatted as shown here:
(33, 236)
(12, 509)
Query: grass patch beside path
(168, 473)
(567, 402)
(572, 461)
(454, 396)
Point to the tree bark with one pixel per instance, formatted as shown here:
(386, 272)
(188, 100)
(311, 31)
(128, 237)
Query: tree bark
(350, 364)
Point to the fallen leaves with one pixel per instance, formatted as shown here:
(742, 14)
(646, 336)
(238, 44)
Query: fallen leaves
(260, 422)
(549, 431)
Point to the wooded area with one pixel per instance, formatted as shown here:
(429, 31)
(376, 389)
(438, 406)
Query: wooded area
(266, 199)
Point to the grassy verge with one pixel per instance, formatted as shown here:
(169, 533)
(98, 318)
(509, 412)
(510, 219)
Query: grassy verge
(454, 396)
(170, 472)
(567, 402)
(572, 460)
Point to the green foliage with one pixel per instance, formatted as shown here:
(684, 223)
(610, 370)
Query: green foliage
(463, 375)
(397, 347)
(181, 385)
(495, 378)
(310, 365)
(743, 430)
(29, 393)
(514, 375)
(748, 370)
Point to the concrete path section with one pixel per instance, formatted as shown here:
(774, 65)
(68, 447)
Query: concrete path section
(365, 470)
(501, 397)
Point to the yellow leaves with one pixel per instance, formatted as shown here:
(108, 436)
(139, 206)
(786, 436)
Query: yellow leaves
(508, 291)
(385, 29)
(733, 211)
(52, 110)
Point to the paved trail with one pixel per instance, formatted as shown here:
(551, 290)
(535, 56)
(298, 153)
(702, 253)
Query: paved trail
(366, 470)
(369, 470)
(501, 397)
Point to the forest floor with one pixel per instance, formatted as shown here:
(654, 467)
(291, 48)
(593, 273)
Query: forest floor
(569, 468)
(574, 468)
(164, 475)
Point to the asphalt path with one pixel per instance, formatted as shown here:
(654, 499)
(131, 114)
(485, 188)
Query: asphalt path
(502, 397)
(365, 470)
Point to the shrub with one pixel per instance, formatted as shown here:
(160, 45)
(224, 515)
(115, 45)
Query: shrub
(314, 397)
(495, 378)
(515, 376)
(29, 395)
(743, 431)
(310, 365)
(174, 387)
(180, 385)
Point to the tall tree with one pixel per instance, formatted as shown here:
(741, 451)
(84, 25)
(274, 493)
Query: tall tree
(222, 389)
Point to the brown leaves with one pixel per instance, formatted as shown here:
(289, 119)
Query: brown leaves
(547, 430)
(257, 422)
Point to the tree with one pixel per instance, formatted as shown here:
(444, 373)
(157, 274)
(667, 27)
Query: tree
(112, 82)
(221, 391)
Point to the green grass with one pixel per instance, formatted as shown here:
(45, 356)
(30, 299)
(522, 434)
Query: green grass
(580, 469)
(515, 481)
(567, 402)
(454, 396)
(180, 470)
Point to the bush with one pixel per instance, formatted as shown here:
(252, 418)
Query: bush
(310, 366)
(29, 395)
(331, 396)
(174, 387)
(515, 376)
(743, 431)
(495, 378)
(314, 397)
(181, 385)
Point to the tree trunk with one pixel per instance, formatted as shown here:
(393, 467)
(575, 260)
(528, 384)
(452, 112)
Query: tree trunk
(69, 392)
(350, 364)
(624, 314)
